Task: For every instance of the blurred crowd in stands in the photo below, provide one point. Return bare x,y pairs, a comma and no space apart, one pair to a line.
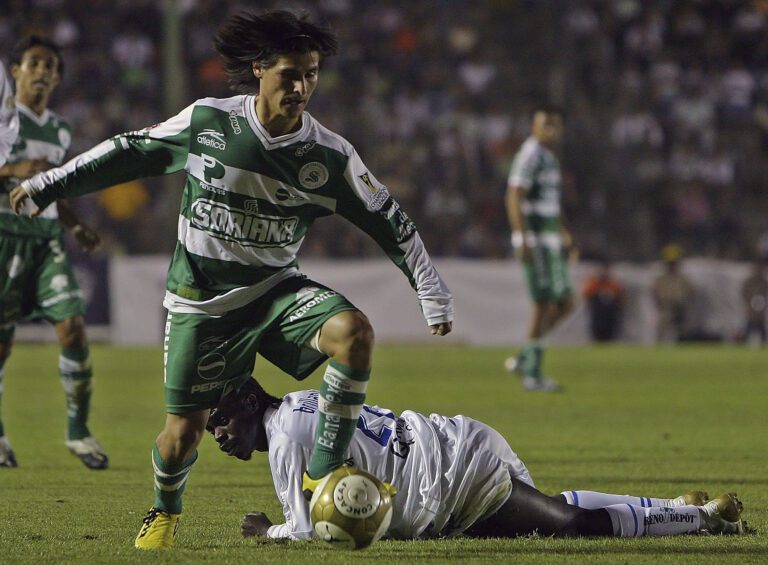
666,112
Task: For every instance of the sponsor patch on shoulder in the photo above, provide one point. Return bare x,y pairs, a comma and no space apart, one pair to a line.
376,196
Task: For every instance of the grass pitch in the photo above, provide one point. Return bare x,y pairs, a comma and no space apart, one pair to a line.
645,421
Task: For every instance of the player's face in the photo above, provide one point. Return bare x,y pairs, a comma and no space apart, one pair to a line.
285,87
237,425
37,74
548,128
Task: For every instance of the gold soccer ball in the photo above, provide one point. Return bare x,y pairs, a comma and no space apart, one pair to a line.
350,508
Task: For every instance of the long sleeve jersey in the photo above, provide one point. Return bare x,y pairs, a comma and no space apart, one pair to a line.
449,472
248,202
9,121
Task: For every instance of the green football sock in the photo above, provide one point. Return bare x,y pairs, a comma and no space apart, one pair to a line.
532,357
76,376
170,482
341,399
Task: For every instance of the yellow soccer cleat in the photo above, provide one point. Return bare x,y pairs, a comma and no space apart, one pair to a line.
158,531
722,515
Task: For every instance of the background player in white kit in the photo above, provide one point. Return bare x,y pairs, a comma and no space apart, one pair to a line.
453,476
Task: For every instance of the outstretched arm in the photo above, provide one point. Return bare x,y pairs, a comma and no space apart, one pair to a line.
287,461
368,205
156,150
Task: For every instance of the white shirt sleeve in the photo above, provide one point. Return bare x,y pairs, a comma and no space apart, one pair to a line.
9,118
523,167
287,461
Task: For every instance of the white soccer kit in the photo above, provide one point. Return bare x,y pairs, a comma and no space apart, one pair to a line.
449,472
9,120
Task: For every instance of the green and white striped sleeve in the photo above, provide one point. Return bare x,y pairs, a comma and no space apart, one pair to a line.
369,206
523,170
156,150
9,119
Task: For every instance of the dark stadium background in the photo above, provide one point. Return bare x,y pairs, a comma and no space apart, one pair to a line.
667,106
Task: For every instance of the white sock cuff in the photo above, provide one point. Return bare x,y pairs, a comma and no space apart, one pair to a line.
627,521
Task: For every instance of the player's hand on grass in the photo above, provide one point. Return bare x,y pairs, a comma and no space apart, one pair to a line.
86,238
25,169
255,524
441,329
18,197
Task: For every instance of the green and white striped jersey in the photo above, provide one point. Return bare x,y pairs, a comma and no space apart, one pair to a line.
40,137
537,170
9,119
248,202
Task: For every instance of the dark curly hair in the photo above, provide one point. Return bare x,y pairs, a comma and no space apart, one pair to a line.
245,38
27,43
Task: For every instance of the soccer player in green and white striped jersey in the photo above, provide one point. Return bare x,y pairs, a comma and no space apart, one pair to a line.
260,170
9,117
540,240
38,280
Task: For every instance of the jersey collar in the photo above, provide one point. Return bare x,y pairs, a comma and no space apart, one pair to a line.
268,141
29,113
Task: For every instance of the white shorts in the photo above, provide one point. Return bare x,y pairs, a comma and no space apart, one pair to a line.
477,466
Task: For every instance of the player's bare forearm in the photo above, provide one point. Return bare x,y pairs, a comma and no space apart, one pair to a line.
24,169
515,195
86,237
514,208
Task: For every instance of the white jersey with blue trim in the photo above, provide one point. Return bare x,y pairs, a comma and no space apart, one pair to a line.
449,472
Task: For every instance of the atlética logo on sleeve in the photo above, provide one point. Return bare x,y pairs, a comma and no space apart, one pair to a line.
313,175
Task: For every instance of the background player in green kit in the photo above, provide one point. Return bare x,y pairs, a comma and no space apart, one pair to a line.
260,170
37,279
540,240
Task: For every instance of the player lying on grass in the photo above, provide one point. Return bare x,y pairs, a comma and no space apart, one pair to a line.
452,475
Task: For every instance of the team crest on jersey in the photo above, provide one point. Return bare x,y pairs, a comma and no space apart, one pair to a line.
212,138
10,103
65,138
313,175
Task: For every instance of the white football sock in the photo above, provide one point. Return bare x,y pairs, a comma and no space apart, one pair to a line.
635,521
590,499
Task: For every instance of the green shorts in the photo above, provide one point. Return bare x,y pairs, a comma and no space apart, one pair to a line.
36,281
547,275
207,356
